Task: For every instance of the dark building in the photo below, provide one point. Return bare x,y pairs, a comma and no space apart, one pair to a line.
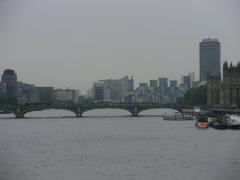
210,60
98,90
10,78
27,93
186,81
163,83
227,91
3,89
173,83
46,94
153,83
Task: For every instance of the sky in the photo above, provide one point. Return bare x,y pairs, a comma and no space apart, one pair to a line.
72,43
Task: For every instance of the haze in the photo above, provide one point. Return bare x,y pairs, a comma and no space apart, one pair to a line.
71,43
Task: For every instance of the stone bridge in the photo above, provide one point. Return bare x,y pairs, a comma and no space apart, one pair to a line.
79,109
133,108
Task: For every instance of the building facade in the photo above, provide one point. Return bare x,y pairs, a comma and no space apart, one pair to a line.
227,91
10,78
3,89
65,95
27,93
210,58
115,90
46,94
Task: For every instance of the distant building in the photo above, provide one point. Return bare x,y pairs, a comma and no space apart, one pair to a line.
27,93
10,78
115,90
65,95
163,83
186,81
210,58
153,83
192,79
143,84
3,89
46,94
213,92
226,92
173,83
230,88
98,90
118,90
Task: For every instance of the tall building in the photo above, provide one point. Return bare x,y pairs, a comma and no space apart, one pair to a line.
163,83
98,90
153,83
10,78
115,90
3,89
173,83
227,91
210,60
27,93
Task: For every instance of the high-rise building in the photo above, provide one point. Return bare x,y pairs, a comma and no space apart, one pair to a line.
115,90
10,78
173,83
3,89
153,83
27,93
210,60
98,90
163,83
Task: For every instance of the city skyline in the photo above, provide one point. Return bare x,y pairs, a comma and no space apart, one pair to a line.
74,44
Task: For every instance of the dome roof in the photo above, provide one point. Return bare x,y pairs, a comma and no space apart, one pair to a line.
9,72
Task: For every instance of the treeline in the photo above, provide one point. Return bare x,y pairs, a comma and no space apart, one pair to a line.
195,96
8,101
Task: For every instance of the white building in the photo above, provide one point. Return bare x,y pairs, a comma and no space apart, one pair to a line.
66,95
115,90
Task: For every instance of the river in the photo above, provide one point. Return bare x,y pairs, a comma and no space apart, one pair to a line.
111,145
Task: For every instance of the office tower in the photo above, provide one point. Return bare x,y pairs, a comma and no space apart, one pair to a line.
153,83
10,78
210,60
163,83
98,90
173,83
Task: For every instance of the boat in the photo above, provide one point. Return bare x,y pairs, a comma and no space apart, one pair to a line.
218,123
232,121
201,120
179,117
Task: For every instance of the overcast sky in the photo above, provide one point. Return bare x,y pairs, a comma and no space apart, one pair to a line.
71,43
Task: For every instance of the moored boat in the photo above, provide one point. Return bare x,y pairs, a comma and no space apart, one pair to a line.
232,121
201,121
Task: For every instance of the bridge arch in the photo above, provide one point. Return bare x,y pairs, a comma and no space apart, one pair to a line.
108,111
168,110
51,112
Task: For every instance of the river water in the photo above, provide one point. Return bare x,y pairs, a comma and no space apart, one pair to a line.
110,145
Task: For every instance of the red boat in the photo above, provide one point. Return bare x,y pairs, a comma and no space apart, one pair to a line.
201,121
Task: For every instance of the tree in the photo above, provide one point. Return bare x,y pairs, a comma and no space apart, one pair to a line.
196,96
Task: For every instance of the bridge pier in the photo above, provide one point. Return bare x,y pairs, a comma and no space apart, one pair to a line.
19,114
78,112
78,115
135,112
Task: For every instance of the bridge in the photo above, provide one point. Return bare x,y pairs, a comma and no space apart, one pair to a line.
133,108
78,109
